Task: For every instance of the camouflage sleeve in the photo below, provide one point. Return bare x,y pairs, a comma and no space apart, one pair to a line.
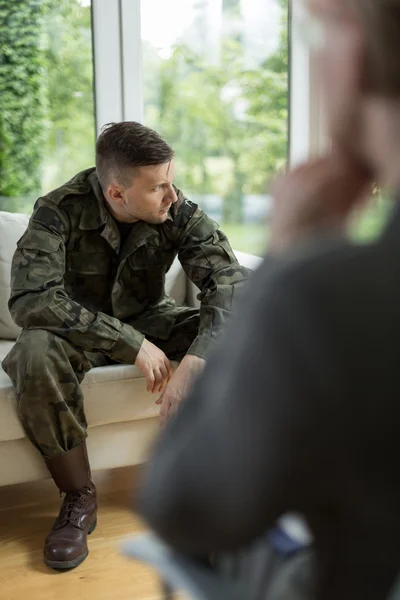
209,262
39,300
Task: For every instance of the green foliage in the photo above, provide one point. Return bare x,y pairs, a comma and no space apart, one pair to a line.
228,123
369,222
247,237
68,56
22,96
46,96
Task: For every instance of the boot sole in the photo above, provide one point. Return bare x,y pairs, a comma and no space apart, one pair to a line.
64,565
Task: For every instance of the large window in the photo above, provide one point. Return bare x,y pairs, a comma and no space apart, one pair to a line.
210,75
47,130
215,84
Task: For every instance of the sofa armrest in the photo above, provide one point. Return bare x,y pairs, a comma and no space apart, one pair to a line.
246,260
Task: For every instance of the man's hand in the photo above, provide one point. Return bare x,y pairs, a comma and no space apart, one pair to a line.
179,385
321,194
155,366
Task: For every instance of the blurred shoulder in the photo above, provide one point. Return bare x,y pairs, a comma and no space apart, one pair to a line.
323,271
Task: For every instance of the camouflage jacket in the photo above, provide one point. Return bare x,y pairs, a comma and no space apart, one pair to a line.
71,275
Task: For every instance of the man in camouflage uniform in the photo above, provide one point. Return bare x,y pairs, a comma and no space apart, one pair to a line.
88,290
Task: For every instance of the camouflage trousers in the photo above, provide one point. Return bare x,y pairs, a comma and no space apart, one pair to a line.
47,370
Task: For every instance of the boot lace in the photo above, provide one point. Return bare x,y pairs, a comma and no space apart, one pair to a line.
72,506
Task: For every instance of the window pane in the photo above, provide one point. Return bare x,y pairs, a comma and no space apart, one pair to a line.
47,128
216,87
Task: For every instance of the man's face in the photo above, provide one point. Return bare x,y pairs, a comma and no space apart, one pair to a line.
150,195
339,59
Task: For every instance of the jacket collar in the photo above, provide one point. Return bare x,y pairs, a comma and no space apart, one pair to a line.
139,235
95,215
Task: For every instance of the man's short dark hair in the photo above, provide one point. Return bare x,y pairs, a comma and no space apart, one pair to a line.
123,147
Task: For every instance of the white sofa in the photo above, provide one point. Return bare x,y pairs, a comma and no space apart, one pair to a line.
122,415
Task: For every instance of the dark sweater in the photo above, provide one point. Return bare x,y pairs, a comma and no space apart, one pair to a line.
298,410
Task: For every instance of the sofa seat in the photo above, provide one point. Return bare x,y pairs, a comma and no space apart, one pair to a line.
113,394
122,423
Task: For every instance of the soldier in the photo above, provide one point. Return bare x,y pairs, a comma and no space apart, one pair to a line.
88,290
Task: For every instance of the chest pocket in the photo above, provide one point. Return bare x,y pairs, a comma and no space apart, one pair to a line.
93,263
147,269
156,283
88,279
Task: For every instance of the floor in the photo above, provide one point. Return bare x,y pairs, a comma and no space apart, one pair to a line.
26,514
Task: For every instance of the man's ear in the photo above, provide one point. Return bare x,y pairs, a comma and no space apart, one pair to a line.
116,194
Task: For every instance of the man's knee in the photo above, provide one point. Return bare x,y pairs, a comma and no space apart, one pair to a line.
30,352
39,359
46,371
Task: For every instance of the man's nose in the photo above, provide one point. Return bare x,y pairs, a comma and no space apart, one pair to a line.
172,197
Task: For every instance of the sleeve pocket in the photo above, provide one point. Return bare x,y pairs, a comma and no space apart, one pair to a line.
36,261
40,241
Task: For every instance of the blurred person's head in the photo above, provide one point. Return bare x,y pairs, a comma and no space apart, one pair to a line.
359,67
135,168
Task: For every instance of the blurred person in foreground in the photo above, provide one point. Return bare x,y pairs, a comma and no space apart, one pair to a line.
88,289
299,409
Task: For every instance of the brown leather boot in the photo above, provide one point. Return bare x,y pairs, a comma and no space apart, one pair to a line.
66,544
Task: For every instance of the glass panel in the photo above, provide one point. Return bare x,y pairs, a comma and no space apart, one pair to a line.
216,87
47,130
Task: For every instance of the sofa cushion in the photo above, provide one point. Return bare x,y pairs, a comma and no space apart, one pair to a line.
12,227
114,394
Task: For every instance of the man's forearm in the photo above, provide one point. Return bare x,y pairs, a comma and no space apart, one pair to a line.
54,311
218,298
195,363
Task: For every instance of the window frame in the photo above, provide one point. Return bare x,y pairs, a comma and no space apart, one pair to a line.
306,125
117,57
